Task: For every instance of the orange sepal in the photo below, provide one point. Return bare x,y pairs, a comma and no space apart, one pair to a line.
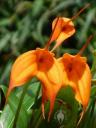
51,80
56,29
78,75
49,92
23,69
64,29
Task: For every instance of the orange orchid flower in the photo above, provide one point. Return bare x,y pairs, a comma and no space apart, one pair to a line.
77,74
62,31
42,64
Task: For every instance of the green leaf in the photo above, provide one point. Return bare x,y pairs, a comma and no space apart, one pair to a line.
8,114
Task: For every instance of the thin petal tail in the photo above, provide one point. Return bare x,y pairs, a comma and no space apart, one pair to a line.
52,101
43,109
9,90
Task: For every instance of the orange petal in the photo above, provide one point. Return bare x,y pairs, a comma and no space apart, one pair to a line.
78,76
57,28
55,73
51,80
84,90
23,69
50,91
64,29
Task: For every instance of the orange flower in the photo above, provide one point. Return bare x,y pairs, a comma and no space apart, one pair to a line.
63,30
77,74
42,64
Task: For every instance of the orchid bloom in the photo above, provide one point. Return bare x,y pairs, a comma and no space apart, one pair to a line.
42,64
77,74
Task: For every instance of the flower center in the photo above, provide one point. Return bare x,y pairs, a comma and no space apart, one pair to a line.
45,59
70,67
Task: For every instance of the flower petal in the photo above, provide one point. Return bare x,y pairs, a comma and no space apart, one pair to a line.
23,69
57,28
55,73
50,77
84,90
50,91
78,76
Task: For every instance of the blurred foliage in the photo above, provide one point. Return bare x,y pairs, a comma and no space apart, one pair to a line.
26,25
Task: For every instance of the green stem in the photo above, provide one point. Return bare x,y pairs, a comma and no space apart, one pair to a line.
19,106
